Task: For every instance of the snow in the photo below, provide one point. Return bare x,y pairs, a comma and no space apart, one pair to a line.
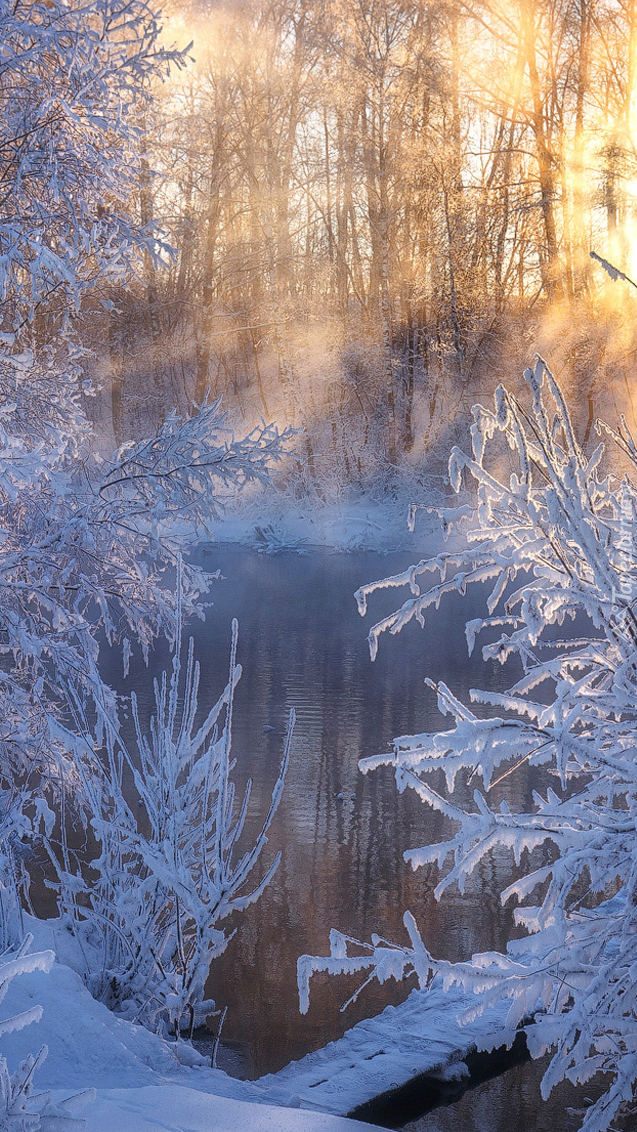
88,1045
272,522
420,1036
138,1084
173,1108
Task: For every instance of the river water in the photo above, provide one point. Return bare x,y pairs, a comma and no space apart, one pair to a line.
302,645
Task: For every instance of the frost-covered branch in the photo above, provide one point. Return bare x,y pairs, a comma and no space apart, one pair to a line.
554,536
84,545
173,867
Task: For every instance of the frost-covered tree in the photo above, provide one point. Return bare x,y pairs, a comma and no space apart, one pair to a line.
88,546
555,539
74,80
84,543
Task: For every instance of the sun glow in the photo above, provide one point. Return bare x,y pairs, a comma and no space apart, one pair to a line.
372,203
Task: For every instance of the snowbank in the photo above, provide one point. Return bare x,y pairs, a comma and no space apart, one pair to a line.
173,1108
140,1085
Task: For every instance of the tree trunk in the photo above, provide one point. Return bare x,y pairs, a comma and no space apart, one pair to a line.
550,264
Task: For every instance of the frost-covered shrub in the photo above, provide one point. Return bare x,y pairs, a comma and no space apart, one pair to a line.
555,538
84,549
172,868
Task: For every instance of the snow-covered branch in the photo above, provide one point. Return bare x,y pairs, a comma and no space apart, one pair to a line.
555,538
173,868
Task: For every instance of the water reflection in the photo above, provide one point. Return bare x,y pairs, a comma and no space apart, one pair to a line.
513,1101
302,645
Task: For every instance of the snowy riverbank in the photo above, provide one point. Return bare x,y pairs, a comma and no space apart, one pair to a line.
134,1081
274,520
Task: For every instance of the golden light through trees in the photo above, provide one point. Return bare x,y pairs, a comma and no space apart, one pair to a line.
373,202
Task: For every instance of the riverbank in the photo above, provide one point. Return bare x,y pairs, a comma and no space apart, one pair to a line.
121,1078
277,519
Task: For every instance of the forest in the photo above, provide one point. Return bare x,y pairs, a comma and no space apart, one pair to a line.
376,208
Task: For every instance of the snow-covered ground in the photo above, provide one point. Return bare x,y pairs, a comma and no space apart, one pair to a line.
178,1108
135,1082
132,1081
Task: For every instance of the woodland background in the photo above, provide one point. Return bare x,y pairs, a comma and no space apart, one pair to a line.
378,209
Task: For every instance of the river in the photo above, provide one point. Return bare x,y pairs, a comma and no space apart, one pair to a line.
302,645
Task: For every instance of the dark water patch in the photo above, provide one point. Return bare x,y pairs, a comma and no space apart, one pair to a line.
512,1100
395,1108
